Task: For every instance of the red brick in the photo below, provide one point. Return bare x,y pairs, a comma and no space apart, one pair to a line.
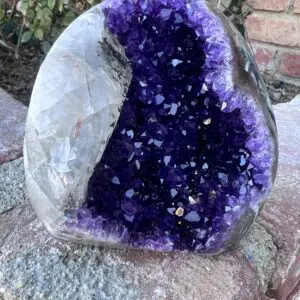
281,30
297,6
290,64
264,58
273,5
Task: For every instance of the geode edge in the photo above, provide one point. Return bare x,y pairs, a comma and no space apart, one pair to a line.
229,77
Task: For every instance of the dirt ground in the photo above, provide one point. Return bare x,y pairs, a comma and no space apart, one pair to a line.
17,76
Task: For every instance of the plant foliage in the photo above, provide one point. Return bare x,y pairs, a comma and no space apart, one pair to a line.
36,23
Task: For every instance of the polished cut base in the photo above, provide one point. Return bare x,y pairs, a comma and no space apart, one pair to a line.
155,132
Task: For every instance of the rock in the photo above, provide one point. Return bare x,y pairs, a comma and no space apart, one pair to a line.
12,127
261,252
12,183
280,91
181,157
281,214
34,265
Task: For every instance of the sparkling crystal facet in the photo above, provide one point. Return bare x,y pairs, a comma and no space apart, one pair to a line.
162,137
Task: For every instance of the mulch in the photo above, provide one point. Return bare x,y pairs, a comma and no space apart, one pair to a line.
17,76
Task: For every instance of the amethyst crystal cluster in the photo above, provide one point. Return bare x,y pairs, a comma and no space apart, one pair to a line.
192,152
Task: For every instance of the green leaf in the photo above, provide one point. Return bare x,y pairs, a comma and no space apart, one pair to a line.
41,3
26,36
39,34
1,9
68,18
35,25
24,7
47,13
30,15
60,5
31,3
55,33
46,20
51,4
46,23
39,14
91,1
46,47
44,15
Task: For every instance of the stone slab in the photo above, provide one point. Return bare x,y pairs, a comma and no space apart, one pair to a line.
12,182
33,265
281,214
12,127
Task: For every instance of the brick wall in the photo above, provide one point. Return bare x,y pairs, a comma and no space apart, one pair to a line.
274,31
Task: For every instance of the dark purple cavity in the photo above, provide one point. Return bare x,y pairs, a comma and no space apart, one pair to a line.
178,171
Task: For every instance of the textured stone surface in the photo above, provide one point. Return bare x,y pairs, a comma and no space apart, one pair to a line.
34,265
12,184
281,214
12,123
261,252
46,268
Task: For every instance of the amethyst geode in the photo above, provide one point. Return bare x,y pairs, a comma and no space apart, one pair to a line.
190,152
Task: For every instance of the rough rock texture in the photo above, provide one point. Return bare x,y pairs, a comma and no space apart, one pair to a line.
12,122
12,183
33,265
46,268
281,214
280,91
261,252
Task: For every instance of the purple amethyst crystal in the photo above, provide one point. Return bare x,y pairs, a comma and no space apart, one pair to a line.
193,153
